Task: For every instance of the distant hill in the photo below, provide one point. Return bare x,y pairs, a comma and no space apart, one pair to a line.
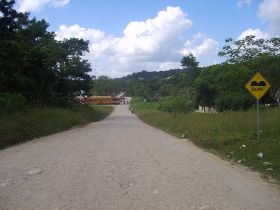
145,75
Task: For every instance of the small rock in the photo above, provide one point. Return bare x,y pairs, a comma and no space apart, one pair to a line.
183,135
269,169
243,145
273,198
260,155
239,161
267,164
155,191
125,193
5,183
35,171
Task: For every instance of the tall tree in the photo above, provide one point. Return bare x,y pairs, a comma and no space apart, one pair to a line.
103,85
10,23
248,48
261,55
36,65
189,62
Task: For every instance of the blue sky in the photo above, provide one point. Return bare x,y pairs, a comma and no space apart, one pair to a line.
130,36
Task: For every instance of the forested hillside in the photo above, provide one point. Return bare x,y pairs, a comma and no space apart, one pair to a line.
220,86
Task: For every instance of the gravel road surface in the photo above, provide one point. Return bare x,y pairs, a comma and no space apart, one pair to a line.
122,163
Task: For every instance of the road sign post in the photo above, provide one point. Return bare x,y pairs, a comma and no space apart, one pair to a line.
258,120
258,86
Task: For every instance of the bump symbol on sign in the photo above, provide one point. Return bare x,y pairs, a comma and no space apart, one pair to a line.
255,83
257,86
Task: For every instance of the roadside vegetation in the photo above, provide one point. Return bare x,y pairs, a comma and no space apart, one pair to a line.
231,134
169,103
39,79
37,122
219,86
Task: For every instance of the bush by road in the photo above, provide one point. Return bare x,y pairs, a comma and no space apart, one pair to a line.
37,122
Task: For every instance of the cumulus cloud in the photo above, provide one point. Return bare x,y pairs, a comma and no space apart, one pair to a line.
255,32
202,47
269,11
241,3
35,5
153,44
65,32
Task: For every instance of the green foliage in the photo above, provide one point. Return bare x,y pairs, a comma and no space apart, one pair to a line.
37,122
269,66
175,103
234,101
189,62
36,65
182,102
127,83
222,86
244,50
104,86
225,133
11,102
139,104
142,89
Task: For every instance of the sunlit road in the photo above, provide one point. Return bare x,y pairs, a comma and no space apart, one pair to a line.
122,163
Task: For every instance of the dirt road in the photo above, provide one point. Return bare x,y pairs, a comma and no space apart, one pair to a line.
122,163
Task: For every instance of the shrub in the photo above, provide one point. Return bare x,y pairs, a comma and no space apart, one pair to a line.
11,102
175,103
233,101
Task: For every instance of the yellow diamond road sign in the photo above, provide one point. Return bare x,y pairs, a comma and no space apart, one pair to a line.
258,86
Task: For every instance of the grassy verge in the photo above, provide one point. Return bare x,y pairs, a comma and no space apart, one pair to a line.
37,122
230,134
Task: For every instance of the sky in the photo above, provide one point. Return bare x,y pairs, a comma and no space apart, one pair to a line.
127,36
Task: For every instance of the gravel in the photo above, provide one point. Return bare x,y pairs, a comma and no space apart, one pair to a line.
122,163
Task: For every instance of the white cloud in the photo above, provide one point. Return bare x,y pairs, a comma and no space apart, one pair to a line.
242,3
35,5
154,44
255,32
65,32
269,11
203,48
169,65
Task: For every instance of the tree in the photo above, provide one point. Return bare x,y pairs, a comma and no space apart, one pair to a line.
73,70
190,64
10,23
244,50
261,55
36,65
222,86
103,85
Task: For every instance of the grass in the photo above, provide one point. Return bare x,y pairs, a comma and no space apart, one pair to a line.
230,134
37,122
